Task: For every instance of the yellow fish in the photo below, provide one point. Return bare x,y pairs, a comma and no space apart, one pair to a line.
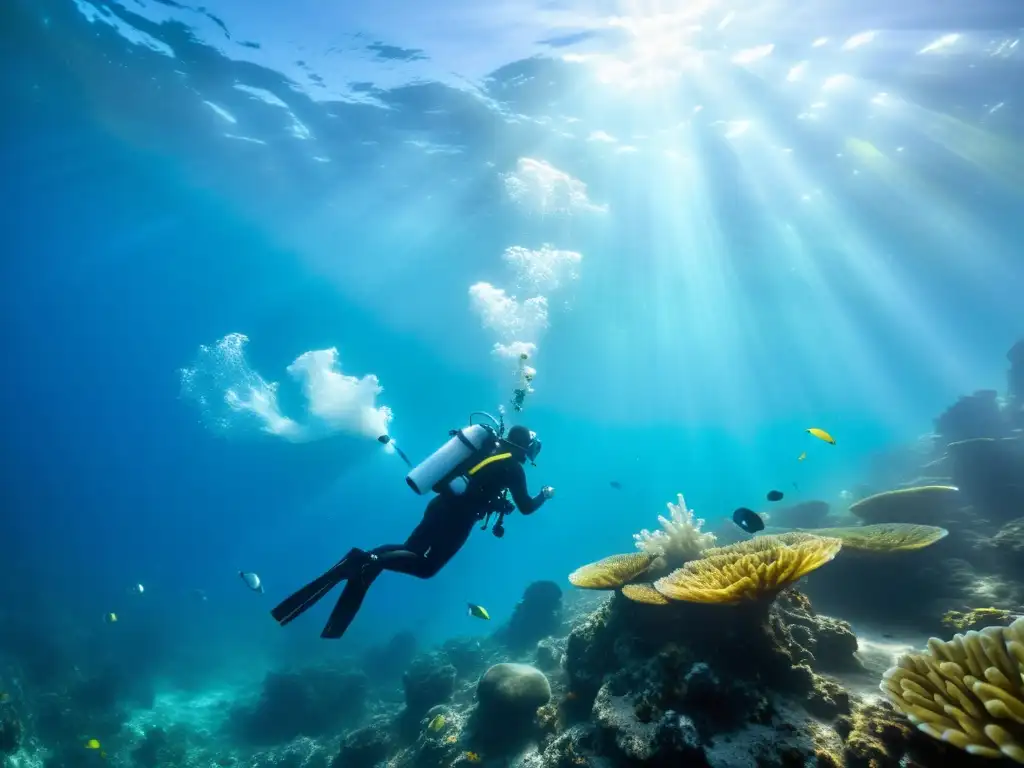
821,434
473,757
110,618
450,739
437,723
802,456
92,744
479,612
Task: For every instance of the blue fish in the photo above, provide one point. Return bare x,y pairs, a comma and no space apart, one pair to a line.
748,520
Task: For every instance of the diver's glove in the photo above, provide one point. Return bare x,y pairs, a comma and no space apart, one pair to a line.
547,491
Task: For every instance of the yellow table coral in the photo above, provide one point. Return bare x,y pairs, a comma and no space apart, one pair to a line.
611,572
968,691
750,570
908,505
886,537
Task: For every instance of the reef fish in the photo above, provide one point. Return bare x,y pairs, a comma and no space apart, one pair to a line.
110,618
472,757
802,456
774,496
616,485
437,723
252,581
92,744
479,612
821,434
748,520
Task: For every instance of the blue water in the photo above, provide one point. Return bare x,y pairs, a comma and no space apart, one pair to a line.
853,266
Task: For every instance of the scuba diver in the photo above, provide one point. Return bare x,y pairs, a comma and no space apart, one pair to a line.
472,474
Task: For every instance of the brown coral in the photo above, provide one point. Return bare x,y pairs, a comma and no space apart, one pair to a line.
968,691
751,570
908,505
612,572
644,593
886,537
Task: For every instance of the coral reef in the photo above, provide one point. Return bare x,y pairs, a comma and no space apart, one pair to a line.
680,538
968,691
750,570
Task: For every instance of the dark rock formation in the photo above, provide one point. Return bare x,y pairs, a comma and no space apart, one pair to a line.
365,747
310,702
537,615
971,416
467,655
990,475
388,662
429,681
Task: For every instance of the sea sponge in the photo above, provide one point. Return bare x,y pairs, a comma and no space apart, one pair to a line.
644,593
751,570
680,539
885,537
612,572
968,691
908,505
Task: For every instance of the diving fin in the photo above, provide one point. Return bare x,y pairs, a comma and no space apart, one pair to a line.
303,599
347,607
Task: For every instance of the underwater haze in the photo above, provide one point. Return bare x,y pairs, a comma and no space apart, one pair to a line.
242,241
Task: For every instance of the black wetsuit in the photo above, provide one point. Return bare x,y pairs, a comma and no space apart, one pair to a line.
447,522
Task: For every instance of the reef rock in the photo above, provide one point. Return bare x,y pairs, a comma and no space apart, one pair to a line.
365,747
669,740
429,681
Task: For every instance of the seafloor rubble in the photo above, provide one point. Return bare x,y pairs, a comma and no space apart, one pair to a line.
691,652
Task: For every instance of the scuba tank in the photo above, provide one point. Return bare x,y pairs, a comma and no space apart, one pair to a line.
444,470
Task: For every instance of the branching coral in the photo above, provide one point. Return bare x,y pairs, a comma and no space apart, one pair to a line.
751,570
968,691
680,538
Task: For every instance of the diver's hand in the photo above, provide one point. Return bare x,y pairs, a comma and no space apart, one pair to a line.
547,491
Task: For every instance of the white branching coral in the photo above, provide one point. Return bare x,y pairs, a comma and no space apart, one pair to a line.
680,538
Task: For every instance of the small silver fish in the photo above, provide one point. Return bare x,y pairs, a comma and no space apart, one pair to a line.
252,581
